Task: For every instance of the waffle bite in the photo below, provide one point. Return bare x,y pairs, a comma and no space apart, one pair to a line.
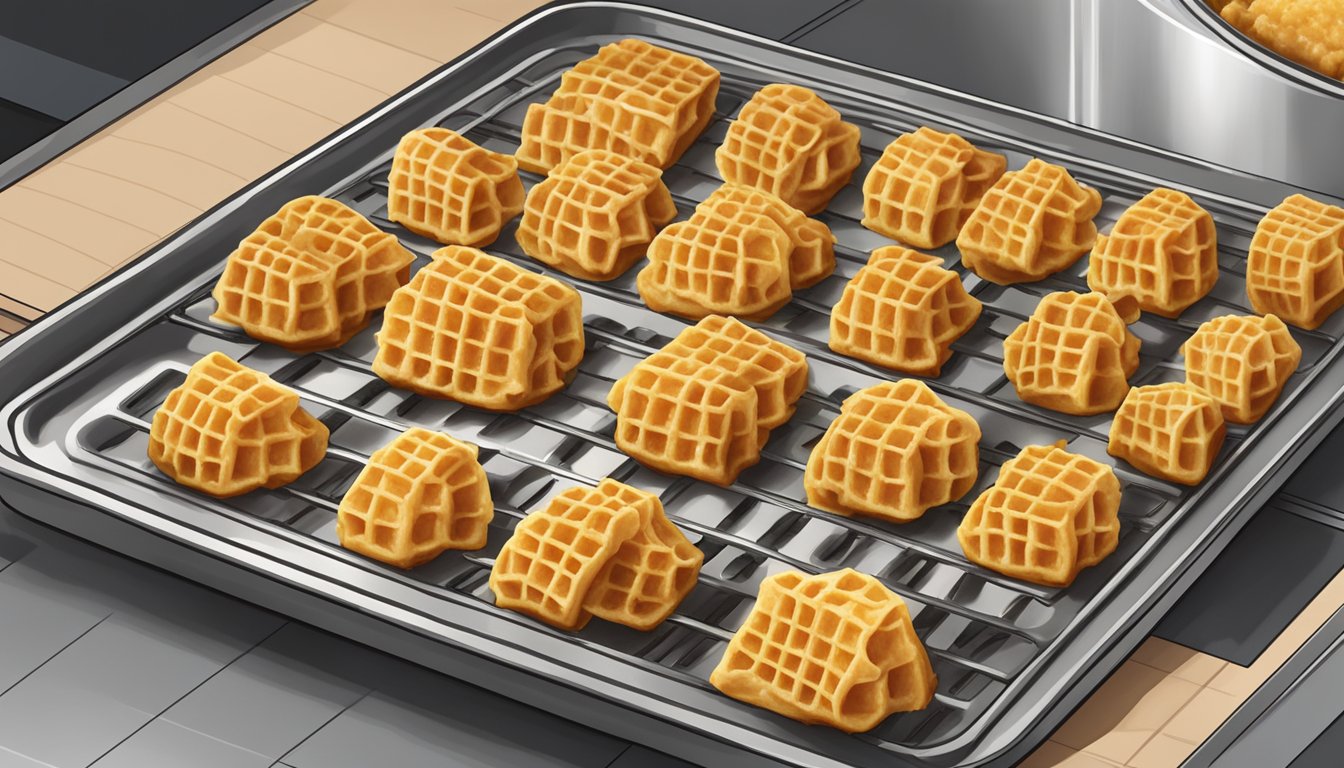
1173,431
419,495
894,451
607,551
925,185
594,214
902,311
1049,514
443,186
1295,267
311,276
704,405
1243,362
743,253
1162,253
632,98
1073,355
1030,224
789,142
837,649
476,329
653,571
228,430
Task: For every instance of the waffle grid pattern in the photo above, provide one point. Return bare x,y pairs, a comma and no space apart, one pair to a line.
418,496
632,98
1162,252
792,144
830,649
1243,362
1172,431
593,215
1030,224
902,311
1049,514
925,185
1295,267
310,276
1074,355
228,430
446,188
509,336
894,451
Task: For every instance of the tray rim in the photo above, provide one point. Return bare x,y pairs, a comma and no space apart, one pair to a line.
78,493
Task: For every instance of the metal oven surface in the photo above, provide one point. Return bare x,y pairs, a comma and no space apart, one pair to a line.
1012,658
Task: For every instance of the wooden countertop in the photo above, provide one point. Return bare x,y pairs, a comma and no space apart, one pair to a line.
120,192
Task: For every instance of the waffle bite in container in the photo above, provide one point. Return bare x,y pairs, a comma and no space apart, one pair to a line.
477,329
1032,223
228,430
593,216
632,98
836,649
311,276
925,185
789,142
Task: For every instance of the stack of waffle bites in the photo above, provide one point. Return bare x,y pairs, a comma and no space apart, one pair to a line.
445,187
704,405
311,276
608,551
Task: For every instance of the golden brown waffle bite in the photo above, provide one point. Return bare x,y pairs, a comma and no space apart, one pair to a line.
632,98
547,567
894,451
704,405
644,582
1243,362
1295,268
419,495
595,214
1162,253
743,253
608,551
902,311
445,187
310,276
925,185
228,430
1049,514
477,329
1030,224
1173,431
1073,355
837,649
789,142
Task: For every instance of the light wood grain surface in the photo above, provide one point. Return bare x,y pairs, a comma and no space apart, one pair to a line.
120,192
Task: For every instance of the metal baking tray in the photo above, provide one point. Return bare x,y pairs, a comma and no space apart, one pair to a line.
1012,658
